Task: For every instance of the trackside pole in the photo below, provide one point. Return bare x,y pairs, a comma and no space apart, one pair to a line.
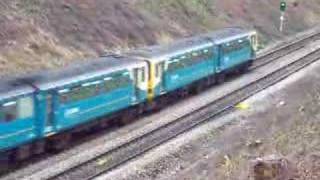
281,21
283,7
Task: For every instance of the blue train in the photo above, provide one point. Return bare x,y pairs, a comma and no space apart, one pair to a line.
43,110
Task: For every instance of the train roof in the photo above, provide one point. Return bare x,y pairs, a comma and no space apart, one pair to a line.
10,88
159,53
228,34
83,71
17,86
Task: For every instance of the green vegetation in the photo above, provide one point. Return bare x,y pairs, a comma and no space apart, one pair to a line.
197,11
38,34
30,7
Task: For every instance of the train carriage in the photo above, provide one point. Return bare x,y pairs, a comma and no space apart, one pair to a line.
92,90
46,104
177,65
199,61
236,48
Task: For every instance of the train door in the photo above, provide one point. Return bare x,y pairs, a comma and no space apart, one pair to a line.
49,112
254,42
214,58
159,74
135,79
140,81
219,63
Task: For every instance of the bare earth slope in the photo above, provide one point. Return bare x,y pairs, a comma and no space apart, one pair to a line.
40,34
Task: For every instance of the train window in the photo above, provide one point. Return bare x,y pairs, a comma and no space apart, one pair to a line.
204,55
123,81
237,46
25,108
8,111
244,43
143,74
117,81
110,84
225,49
211,53
91,84
87,91
189,60
207,53
63,93
81,92
2,116
173,64
49,109
231,47
67,95
158,69
200,56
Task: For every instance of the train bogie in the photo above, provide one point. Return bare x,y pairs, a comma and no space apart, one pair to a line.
92,95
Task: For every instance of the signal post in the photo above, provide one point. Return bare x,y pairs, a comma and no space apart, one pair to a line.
283,7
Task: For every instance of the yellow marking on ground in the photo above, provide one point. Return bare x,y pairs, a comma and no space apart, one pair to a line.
103,161
243,106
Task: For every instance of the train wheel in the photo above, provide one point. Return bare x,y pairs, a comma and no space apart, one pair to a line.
22,153
104,124
5,159
39,147
220,78
164,101
198,88
211,81
59,142
244,68
126,118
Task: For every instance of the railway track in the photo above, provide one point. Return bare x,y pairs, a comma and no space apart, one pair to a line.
283,50
130,150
